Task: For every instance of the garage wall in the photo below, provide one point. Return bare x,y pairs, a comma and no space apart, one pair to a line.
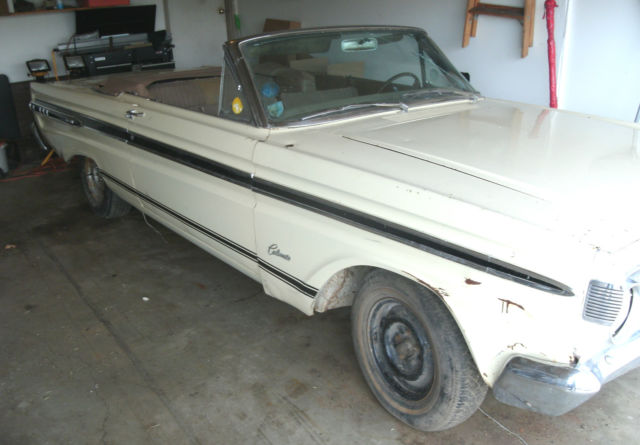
601,70
598,45
492,58
33,36
198,32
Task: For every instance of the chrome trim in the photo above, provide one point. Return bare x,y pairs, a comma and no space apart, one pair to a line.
39,138
556,390
234,61
232,48
603,302
410,237
304,31
117,65
55,113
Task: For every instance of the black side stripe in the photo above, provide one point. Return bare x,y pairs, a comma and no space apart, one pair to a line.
59,114
303,287
294,282
409,237
188,159
330,209
158,148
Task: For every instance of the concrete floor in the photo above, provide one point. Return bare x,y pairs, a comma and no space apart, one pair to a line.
208,359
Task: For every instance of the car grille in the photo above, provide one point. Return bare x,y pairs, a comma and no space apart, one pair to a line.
603,303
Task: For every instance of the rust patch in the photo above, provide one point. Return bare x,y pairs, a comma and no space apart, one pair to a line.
471,282
336,293
506,304
440,292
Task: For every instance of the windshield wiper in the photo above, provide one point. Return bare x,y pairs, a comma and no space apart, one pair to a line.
396,105
439,92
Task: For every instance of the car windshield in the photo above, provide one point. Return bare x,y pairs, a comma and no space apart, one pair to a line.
303,77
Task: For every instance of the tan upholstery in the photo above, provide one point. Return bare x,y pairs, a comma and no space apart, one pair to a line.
137,83
294,100
355,69
194,94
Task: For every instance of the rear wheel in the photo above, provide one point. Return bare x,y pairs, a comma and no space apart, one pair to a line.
413,355
102,200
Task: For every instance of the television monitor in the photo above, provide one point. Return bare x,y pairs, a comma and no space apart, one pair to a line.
114,21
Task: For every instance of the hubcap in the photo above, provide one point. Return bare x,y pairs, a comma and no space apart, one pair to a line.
94,181
401,349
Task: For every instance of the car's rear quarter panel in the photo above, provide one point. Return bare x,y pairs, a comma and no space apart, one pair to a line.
70,141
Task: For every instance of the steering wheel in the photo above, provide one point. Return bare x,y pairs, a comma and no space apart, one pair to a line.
389,81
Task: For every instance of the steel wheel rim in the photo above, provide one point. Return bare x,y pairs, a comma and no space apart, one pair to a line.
95,183
401,349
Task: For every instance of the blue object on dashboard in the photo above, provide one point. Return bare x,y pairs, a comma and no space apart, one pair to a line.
276,109
270,89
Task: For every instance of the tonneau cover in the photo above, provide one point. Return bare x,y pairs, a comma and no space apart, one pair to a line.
137,83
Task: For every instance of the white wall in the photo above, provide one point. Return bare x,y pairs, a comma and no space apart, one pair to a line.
198,32
492,58
597,44
33,36
598,51
601,67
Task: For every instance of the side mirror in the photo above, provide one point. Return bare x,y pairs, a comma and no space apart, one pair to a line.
466,76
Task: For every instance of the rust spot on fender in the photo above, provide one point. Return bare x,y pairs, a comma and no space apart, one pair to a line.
440,292
506,304
471,282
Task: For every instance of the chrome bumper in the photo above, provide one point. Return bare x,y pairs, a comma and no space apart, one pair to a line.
555,390
39,138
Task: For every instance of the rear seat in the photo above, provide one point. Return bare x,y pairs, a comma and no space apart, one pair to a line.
193,94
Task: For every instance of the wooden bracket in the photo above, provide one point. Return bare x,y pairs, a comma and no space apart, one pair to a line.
524,15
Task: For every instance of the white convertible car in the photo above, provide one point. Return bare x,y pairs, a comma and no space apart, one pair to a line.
481,243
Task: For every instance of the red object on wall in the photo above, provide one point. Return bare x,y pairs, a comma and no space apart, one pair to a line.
549,6
100,3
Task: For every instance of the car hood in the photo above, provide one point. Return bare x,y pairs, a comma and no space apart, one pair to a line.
560,170
550,155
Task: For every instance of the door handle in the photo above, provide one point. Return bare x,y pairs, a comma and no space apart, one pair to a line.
130,114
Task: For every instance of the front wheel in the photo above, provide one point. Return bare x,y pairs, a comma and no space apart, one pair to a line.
102,200
413,355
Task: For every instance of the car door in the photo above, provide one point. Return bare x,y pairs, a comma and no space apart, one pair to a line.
193,172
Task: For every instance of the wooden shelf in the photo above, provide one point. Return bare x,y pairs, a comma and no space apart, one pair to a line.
49,11
498,11
524,15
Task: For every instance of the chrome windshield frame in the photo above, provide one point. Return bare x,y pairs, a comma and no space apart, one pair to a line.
260,118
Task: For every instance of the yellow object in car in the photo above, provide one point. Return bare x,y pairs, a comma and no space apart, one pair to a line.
237,106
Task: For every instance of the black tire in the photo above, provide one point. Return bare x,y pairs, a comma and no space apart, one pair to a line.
101,199
413,355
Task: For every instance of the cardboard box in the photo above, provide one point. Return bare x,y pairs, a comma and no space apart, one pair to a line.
278,25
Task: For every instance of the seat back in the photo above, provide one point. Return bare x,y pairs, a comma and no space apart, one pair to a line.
9,129
192,94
